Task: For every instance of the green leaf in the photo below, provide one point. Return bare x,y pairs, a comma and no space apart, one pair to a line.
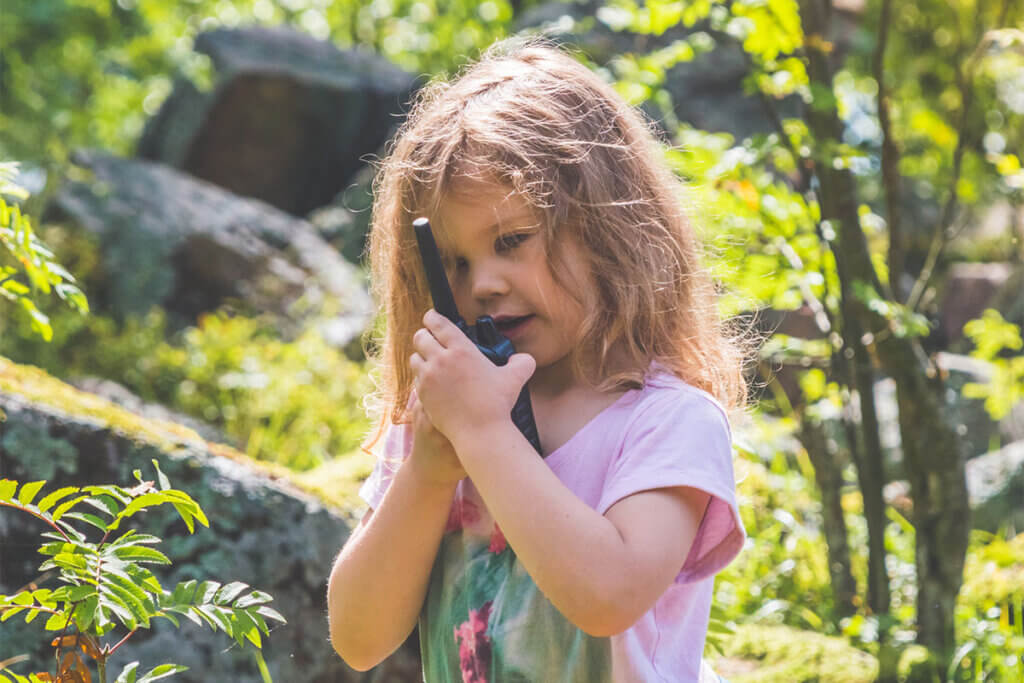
141,554
85,612
229,592
67,505
165,483
28,492
7,489
127,674
88,518
162,671
252,599
56,622
271,613
51,498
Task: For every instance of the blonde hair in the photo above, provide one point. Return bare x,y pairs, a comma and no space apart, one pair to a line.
548,128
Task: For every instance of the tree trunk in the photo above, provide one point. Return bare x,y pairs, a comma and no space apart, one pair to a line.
931,446
828,473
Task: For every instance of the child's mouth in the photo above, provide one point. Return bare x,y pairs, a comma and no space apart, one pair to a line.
512,326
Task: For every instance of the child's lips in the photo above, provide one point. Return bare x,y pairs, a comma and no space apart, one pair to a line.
512,326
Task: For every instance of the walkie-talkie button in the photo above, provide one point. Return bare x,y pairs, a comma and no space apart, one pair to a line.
486,331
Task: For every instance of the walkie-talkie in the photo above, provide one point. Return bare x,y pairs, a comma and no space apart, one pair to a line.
484,333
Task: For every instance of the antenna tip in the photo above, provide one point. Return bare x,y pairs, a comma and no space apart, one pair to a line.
421,221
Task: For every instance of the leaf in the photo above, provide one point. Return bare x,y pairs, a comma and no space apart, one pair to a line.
67,505
56,622
165,483
7,488
127,674
271,613
50,499
88,518
162,671
141,554
28,492
230,591
252,599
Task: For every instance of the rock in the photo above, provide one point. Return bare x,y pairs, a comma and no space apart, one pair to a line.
345,222
120,395
707,91
288,121
170,240
995,487
969,289
263,531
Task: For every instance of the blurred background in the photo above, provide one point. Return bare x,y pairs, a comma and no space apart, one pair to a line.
197,179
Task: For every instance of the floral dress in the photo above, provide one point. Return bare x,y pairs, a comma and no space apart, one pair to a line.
485,620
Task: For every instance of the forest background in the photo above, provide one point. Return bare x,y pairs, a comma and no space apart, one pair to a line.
856,172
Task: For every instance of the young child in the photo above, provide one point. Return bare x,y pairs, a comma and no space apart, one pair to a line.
594,561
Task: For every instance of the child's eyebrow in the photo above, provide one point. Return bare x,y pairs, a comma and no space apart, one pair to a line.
514,219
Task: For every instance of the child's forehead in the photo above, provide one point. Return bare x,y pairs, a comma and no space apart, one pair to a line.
481,208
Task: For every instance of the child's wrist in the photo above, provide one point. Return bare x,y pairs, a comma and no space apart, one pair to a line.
485,440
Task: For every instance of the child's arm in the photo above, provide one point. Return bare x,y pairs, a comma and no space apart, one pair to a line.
379,580
601,571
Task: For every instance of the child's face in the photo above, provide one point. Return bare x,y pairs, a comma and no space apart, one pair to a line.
494,253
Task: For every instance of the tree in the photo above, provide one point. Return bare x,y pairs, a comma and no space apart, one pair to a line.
844,209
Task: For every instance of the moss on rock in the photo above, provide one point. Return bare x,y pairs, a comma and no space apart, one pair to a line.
773,654
32,385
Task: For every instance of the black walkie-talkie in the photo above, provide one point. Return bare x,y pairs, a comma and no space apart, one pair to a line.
484,333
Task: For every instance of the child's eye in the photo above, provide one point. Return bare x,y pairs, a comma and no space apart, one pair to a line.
510,241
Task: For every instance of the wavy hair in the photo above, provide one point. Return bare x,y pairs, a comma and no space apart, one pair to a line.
530,118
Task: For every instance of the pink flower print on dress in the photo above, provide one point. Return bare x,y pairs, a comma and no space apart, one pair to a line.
498,542
474,645
463,513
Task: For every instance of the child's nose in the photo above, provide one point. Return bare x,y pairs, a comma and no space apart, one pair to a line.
488,282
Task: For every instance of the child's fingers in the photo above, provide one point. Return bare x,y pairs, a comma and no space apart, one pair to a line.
443,329
425,343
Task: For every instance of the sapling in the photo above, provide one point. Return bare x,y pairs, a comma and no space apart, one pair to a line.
106,593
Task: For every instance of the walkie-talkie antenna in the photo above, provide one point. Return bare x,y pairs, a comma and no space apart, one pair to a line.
440,291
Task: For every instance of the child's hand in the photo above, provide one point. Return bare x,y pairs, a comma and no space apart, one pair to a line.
460,389
432,457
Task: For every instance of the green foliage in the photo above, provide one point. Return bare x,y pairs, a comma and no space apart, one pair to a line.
994,338
784,567
991,635
27,268
297,403
86,73
782,653
105,584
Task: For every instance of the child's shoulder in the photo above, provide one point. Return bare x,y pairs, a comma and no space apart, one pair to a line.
666,394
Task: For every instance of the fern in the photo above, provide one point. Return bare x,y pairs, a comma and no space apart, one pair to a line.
106,584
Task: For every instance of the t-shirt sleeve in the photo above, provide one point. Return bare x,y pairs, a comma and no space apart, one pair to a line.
683,439
394,449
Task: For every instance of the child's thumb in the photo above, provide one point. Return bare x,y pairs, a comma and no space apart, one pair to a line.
523,364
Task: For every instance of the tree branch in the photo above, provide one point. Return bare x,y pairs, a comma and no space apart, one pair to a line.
891,179
965,81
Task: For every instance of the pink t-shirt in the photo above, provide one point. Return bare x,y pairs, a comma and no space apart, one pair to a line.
485,620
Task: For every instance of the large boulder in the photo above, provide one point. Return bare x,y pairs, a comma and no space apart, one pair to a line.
263,531
288,121
186,245
995,485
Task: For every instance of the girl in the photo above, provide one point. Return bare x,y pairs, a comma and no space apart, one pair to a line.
594,562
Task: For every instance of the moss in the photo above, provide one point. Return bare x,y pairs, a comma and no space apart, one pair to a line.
36,386
777,654
338,480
